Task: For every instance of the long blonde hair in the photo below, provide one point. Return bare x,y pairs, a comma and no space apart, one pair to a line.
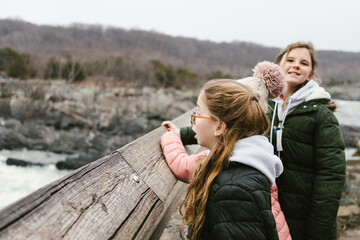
237,106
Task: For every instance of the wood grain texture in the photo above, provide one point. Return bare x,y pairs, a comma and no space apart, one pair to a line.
129,194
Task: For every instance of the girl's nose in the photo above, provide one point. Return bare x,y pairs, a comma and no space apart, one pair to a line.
295,65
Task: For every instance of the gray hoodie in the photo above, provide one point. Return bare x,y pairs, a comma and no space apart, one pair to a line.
257,152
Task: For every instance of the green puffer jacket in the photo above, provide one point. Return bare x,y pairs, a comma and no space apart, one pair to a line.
314,169
239,206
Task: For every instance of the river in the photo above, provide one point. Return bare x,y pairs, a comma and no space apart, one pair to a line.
17,182
348,112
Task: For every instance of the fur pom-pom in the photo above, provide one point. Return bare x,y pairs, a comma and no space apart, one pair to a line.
273,77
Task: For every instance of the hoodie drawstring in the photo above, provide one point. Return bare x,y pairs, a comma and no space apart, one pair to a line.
272,120
278,131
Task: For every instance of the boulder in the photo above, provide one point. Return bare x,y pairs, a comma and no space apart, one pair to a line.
37,135
77,162
10,140
21,163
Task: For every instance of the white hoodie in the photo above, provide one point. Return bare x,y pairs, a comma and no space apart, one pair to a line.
257,152
310,91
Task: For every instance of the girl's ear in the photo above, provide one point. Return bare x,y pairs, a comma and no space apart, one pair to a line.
310,76
220,129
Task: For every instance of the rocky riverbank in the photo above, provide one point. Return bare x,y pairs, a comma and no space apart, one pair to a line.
83,120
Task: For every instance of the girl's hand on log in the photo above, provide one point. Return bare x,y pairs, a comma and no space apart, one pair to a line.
171,127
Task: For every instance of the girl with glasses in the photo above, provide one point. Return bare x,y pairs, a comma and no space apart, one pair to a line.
250,150
229,194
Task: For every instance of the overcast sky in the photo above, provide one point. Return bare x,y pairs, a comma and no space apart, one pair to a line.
329,24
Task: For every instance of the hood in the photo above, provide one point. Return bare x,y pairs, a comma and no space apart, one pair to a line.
257,152
310,91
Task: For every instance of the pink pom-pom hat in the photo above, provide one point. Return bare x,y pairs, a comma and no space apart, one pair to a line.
273,77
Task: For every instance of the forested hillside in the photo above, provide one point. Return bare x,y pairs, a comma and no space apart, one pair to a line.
146,57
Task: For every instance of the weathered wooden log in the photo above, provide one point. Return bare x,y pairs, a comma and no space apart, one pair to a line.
129,194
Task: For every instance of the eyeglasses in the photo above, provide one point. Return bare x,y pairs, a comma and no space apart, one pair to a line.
195,115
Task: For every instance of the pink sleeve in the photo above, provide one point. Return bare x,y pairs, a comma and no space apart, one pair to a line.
181,164
281,225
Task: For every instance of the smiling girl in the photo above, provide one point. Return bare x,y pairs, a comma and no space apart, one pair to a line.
307,138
